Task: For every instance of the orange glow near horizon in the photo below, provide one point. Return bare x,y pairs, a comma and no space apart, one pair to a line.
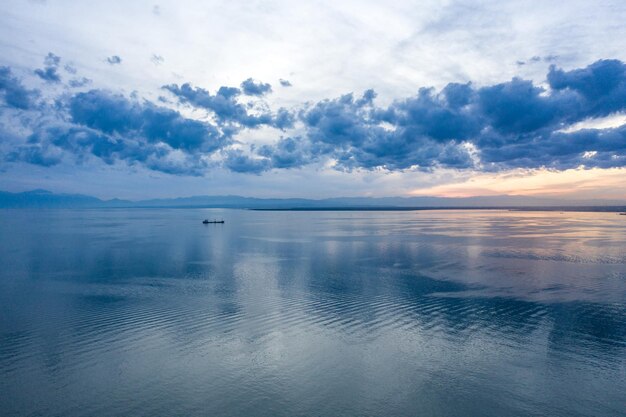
572,183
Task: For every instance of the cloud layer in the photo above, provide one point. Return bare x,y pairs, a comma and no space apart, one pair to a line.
516,124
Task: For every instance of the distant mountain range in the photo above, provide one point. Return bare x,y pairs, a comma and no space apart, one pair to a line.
47,199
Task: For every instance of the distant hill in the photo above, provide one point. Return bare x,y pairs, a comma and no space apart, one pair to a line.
47,199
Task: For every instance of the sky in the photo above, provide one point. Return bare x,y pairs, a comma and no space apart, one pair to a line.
314,98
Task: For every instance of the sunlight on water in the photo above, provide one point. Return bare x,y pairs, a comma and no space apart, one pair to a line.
446,313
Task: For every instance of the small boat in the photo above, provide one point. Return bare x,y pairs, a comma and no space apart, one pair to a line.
623,214
207,221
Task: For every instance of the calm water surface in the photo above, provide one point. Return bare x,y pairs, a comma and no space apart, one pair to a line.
431,313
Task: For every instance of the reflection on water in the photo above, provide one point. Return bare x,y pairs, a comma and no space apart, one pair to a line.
447,313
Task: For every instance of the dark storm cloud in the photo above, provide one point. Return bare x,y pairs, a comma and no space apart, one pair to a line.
514,124
13,93
253,88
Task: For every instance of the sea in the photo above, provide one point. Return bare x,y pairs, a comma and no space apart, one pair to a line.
149,312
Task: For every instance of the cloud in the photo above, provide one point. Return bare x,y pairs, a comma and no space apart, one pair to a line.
253,88
13,92
601,148
114,114
52,60
48,74
70,68
157,59
223,104
284,83
601,86
111,127
227,109
81,143
509,125
36,155
237,161
287,153
419,132
114,60
536,59
50,71
515,107
283,119
79,82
